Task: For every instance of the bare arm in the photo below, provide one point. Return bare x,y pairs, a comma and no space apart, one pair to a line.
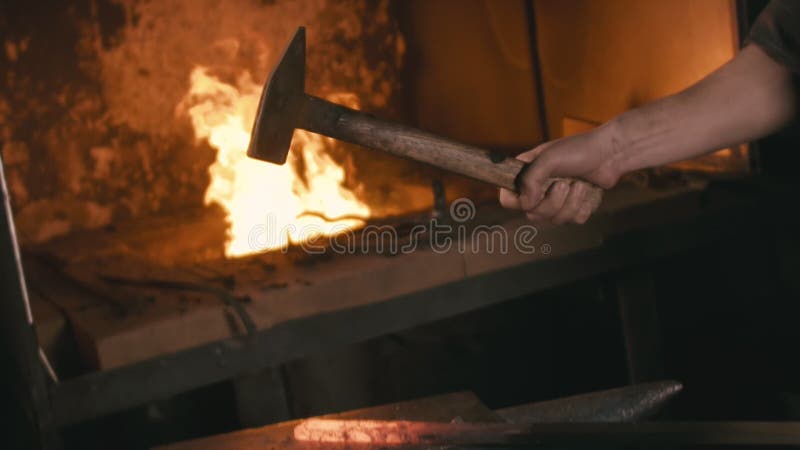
749,97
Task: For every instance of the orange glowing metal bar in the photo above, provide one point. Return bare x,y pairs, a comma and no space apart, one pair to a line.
393,432
409,433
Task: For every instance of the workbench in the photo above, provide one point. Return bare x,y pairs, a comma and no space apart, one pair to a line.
126,308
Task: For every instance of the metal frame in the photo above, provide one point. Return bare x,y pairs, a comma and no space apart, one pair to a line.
19,336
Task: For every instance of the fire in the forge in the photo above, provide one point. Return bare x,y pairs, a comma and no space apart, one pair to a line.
268,206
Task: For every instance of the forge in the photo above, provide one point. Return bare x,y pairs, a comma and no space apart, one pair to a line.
155,257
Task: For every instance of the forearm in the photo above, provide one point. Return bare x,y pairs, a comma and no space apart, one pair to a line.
747,98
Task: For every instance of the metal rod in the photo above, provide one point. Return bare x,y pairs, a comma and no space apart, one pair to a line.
403,433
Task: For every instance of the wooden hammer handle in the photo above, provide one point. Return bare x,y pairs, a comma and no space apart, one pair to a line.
321,116
400,140
330,119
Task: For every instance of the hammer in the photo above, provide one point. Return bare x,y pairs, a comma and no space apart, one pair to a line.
284,106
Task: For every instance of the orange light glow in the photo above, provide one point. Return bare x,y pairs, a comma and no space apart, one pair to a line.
265,203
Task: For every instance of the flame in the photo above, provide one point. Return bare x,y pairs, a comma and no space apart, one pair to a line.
265,203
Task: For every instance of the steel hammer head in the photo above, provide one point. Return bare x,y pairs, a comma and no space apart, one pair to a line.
280,106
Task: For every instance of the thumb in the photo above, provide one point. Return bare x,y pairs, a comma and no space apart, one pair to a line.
534,181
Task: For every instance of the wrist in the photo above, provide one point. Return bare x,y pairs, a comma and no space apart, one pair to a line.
615,152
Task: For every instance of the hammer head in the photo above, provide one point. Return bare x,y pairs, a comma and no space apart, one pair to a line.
280,106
